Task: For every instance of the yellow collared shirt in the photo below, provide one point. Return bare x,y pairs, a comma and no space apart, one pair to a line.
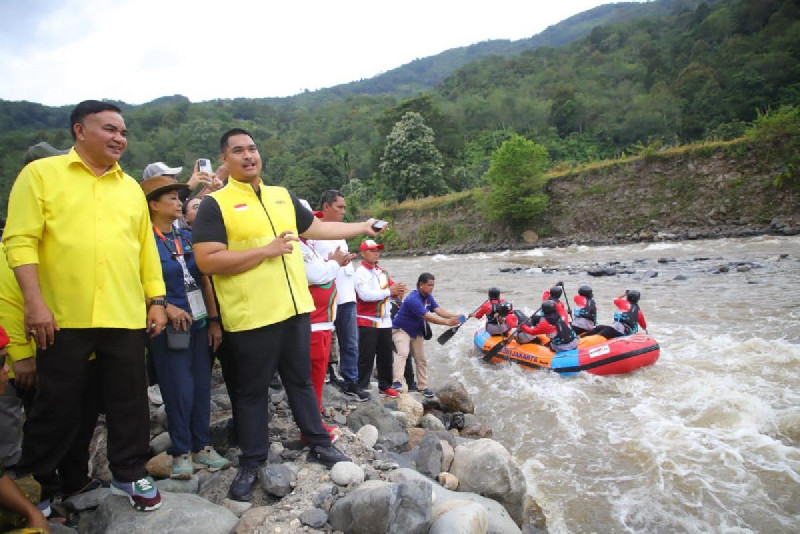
91,238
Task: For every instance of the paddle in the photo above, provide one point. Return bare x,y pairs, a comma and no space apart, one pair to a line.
449,333
566,299
491,353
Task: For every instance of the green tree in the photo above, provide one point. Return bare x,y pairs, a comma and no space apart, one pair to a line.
516,178
411,165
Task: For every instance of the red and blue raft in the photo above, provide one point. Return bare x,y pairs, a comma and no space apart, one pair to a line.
595,354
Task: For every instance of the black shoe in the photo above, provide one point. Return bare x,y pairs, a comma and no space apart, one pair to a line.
412,386
327,455
242,486
352,391
334,376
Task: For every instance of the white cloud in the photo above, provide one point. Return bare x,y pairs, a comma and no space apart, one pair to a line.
136,51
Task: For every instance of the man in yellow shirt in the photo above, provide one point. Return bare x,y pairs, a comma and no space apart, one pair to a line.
79,240
246,236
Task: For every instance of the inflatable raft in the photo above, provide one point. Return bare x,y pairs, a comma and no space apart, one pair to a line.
595,354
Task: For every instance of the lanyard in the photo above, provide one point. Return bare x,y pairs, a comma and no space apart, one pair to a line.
178,248
188,279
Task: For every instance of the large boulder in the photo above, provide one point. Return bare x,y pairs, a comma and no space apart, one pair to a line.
412,409
179,513
372,413
471,518
499,520
485,467
377,506
453,397
429,456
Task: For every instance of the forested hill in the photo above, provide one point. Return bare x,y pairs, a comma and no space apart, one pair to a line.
701,72
425,73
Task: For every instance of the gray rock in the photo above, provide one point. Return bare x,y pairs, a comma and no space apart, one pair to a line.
448,453
223,402
314,518
372,413
368,435
222,436
160,443
471,518
375,506
429,457
88,500
485,467
394,440
277,479
237,507
602,271
470,419
345,473
431,422
453,397
499,520
180,513
324,497
179,486
161,416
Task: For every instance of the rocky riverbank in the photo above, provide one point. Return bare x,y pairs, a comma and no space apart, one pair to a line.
731,190
418,466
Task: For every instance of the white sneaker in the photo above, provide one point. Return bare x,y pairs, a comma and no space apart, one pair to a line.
154,394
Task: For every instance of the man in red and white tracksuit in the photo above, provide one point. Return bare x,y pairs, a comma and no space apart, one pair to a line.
321,274
374,288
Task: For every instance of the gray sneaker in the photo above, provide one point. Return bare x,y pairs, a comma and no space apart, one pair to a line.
352,391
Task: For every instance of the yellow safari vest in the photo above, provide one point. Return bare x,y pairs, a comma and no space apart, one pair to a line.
277,288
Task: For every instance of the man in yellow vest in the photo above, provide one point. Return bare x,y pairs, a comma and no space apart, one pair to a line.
246,237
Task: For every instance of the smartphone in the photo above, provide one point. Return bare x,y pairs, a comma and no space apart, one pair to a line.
379,225
204,165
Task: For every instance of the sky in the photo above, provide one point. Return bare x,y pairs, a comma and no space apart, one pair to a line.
59,52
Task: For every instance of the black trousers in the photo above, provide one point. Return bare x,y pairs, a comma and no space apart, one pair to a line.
66,403
375,348
254,355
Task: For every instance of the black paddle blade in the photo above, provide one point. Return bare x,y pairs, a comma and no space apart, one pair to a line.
491,353
448,335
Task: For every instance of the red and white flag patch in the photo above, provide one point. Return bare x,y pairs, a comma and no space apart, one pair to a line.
240,207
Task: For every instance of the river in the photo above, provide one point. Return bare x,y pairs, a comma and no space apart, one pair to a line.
706,440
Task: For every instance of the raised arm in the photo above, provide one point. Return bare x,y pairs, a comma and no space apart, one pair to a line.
339,230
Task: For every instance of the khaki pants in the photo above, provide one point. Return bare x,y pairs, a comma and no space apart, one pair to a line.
404,344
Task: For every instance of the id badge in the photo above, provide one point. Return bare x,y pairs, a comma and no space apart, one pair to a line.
197,304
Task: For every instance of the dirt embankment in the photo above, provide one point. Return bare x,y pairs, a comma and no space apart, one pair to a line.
705,192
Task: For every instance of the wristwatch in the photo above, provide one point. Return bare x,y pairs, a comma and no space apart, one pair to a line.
213,319
159,302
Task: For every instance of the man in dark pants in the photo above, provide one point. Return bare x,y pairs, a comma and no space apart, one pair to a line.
374,289
85,259
244,236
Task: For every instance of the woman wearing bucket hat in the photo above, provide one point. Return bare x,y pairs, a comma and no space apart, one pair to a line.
181,353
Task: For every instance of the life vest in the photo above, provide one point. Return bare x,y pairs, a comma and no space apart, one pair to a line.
564,334
629,319
495,306
275,289
587,308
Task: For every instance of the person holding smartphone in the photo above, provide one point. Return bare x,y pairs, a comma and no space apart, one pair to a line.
181,353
